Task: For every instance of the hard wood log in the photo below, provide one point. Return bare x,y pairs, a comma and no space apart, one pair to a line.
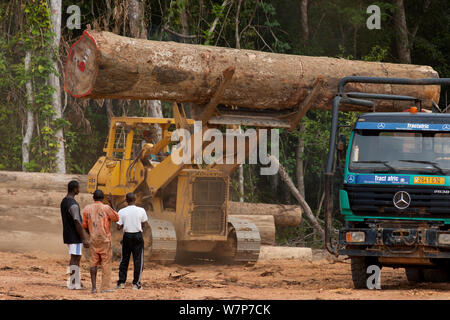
106,65
40,181
265,225
285,253
284,215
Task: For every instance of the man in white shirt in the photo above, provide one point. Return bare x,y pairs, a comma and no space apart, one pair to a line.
132,220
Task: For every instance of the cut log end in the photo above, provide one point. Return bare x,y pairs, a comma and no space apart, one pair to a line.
81,67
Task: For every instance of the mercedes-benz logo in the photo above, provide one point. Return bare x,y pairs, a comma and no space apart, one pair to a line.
446,127
401,200
381,125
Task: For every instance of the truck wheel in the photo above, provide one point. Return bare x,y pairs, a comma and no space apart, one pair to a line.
359,267
414,275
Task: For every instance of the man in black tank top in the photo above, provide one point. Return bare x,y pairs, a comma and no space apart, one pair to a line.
73,234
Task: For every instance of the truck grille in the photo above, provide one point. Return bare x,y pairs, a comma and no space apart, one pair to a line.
426,202
208,216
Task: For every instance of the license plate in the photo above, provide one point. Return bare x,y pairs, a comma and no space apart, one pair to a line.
429,180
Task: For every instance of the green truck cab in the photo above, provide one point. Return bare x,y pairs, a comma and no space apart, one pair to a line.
395,195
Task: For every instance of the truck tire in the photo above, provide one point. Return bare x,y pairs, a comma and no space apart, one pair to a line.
359,267
414,275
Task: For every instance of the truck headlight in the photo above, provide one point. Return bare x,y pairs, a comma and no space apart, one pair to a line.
444,238
355,236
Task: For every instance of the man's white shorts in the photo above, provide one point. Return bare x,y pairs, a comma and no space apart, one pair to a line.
75,248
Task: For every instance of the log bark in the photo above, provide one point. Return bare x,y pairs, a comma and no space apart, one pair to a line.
265,225
105,65
285,253
285,177
284,215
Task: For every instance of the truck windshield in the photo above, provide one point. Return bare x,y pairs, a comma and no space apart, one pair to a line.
400,152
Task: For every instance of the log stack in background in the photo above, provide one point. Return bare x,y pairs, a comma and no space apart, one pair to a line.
29,202
105,65
30,217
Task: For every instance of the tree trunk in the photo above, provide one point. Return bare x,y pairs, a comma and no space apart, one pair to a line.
401,29
29,125
241,183
186,39
284,215
304,20
238,46
136,18
125,68
184,21
285,177
236,25
265,225
60,160
136,13
299,157
109,110
154,110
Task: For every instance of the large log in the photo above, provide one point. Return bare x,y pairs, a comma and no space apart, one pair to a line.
284,215
105,65
284,253
265,225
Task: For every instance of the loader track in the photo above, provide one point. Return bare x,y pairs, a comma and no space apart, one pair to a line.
163,241
248,240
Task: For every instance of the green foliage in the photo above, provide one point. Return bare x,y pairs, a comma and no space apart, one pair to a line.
377,53
34,36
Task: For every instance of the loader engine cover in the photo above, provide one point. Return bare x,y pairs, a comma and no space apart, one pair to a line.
202,196
208,216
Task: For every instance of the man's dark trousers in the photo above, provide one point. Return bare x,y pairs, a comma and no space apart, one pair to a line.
132,243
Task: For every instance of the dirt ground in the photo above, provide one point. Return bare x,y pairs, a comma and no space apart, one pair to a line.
34,261
38,275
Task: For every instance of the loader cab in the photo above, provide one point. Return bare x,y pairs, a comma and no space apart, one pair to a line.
119,171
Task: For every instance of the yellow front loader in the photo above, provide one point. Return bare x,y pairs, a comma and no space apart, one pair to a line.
186,203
